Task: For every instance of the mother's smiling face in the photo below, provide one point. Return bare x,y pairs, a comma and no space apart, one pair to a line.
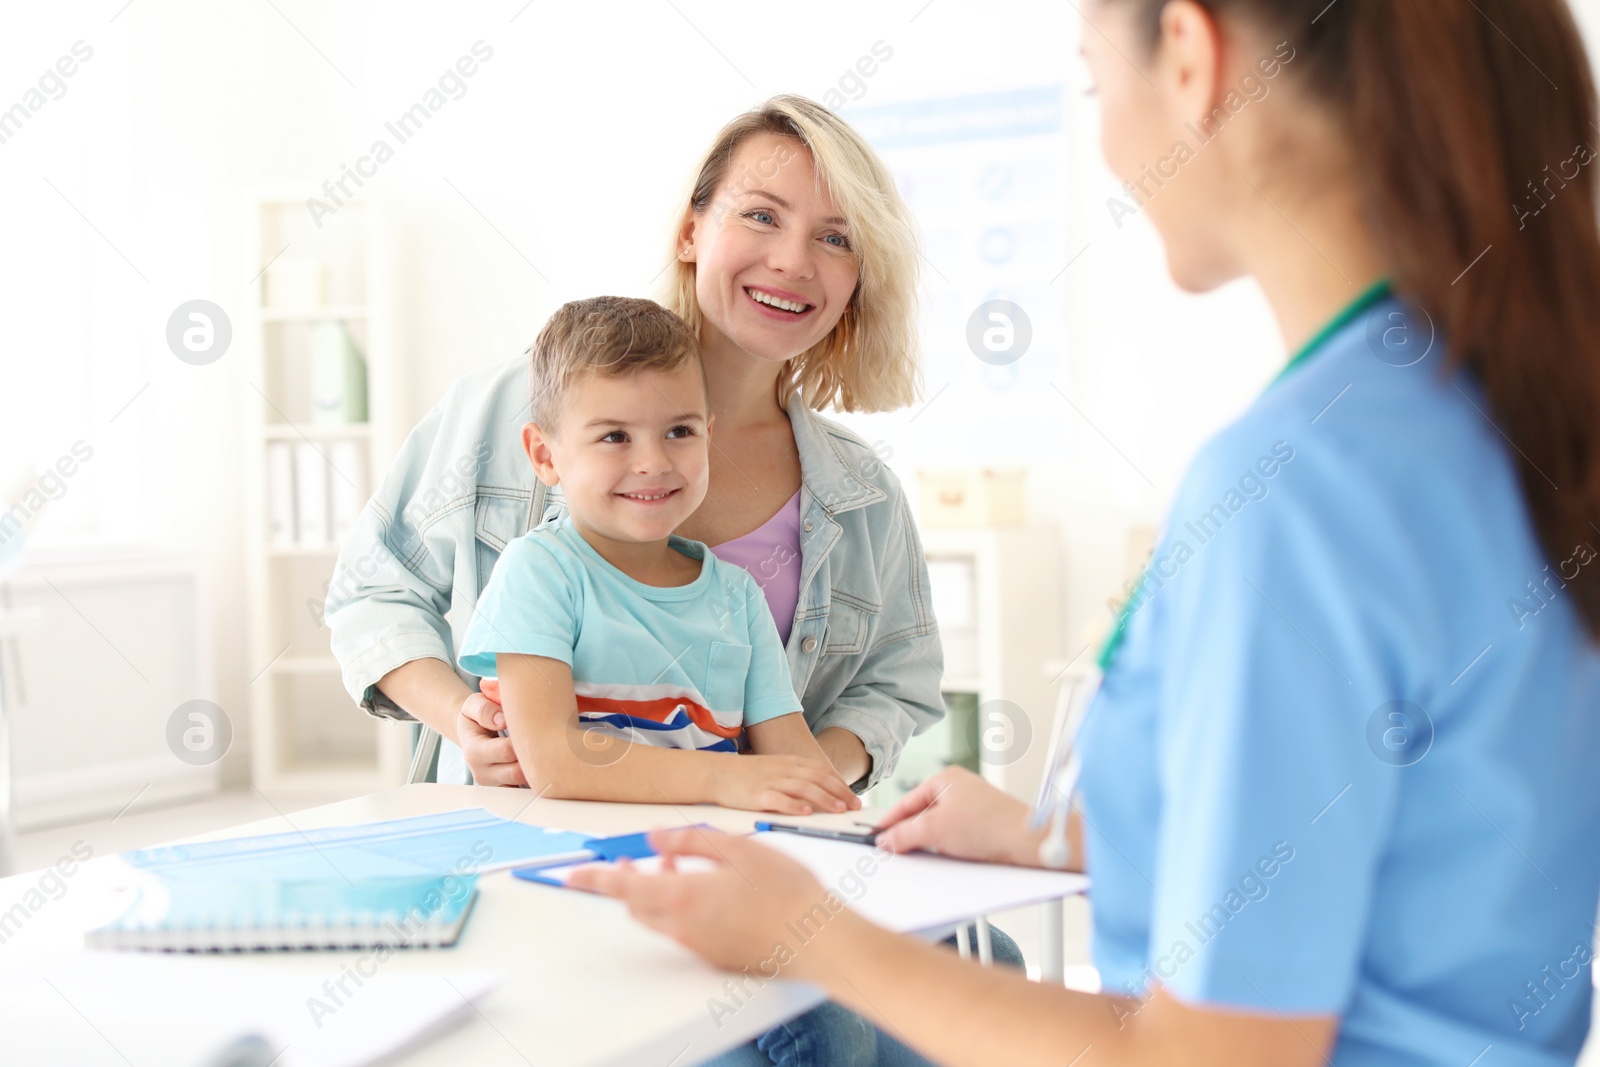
774,265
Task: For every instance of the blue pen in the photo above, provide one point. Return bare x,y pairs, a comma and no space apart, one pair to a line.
817,831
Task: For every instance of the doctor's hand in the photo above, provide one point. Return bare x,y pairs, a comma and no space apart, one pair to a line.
741,913
956,813
478,724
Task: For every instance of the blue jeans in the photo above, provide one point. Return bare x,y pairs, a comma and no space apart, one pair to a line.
831,1036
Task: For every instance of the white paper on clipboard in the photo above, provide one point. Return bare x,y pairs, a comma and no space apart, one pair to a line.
905,893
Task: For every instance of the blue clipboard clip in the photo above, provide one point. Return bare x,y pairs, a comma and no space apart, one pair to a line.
624,846
601,849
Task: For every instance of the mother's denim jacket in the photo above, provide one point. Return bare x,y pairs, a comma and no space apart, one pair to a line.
864,650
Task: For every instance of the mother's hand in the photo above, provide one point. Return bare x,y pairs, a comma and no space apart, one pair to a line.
956,813
735,915
489,756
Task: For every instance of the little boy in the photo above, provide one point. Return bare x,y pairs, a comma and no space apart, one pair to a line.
615,642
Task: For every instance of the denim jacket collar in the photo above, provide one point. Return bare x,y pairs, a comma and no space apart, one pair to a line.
832,479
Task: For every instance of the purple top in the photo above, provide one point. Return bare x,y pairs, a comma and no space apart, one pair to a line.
771,553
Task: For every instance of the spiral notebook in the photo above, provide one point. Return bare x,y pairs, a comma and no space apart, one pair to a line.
264,914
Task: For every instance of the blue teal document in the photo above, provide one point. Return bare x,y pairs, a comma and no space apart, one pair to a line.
469,841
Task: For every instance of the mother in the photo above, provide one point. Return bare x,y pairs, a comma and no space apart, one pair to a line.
789,210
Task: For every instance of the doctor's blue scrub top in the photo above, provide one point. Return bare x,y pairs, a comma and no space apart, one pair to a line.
1346,759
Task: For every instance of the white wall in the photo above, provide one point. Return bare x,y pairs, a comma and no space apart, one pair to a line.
556,175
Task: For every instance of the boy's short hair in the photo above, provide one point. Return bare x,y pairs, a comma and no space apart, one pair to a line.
608,335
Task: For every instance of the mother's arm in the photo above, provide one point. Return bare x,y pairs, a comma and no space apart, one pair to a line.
896,688
410,558
847,753
431,691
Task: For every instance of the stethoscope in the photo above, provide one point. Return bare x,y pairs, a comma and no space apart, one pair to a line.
1065,766
1062,772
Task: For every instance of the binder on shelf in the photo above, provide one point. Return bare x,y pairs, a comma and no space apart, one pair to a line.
280,495
347,487
338,375
310,496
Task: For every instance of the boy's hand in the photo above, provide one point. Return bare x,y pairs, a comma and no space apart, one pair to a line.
489,756
788,735
791,785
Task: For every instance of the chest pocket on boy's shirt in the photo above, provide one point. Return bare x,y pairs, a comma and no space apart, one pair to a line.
726,672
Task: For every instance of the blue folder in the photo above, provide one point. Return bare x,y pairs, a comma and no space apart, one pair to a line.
452,842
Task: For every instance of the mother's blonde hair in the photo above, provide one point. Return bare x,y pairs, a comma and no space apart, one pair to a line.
869,362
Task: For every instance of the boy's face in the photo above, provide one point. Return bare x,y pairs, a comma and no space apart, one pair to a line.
630,452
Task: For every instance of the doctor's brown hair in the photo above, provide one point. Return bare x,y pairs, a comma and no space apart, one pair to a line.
1475,124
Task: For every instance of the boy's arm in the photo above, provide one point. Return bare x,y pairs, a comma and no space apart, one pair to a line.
787,735
562,760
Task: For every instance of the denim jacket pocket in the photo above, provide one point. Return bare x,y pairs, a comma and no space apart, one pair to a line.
849,623
726,672
500,519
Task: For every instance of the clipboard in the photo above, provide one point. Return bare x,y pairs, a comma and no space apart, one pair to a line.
906,893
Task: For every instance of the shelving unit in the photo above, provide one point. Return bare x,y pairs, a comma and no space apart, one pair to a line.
305,733
997,634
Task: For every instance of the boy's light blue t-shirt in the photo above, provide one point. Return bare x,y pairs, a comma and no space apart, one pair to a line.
1345,762
680,667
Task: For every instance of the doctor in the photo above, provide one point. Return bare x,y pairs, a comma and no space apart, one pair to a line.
1341,789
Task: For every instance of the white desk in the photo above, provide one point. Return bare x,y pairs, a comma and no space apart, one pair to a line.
585,983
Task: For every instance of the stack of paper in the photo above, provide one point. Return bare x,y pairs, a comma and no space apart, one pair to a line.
115,1010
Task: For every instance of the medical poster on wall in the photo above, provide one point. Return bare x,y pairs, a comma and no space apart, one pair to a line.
985,176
